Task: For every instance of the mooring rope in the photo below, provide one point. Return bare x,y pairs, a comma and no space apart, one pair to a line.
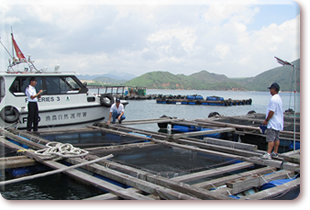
61,150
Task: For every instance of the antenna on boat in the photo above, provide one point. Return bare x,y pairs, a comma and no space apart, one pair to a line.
286,63
20,56
12,43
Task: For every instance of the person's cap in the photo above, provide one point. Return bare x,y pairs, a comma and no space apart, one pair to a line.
275,86
117,100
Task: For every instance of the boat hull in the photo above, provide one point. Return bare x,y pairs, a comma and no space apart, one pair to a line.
64,117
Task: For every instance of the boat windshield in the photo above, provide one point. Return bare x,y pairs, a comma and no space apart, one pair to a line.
59,85
50,84
20,84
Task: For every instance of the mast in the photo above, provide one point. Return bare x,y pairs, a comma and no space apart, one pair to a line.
282,62
12,45
20,56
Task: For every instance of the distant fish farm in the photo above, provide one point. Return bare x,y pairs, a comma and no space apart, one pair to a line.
199,100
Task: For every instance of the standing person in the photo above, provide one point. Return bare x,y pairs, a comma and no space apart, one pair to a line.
33,110
274,122
117,111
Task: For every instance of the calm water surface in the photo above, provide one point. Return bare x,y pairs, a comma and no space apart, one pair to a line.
144,109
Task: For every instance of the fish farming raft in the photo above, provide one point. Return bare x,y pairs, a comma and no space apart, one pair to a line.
135,164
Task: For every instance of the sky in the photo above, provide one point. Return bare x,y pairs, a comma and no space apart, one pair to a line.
232,37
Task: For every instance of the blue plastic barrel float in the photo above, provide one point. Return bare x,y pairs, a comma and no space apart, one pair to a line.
186,128
214,98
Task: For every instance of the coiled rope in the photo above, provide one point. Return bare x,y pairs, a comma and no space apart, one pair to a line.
61,150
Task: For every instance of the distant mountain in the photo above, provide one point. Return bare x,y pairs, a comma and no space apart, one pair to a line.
108,80
112,75
283,75
87,77
198,81
205,80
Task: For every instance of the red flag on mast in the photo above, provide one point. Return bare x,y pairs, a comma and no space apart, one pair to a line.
19,53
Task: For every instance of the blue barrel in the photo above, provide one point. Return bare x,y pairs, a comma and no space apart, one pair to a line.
213,135
18,172
297,145
274,183
190,97
214,98
184,128
198,97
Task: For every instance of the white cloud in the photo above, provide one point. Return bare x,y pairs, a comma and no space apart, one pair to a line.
221,50
11,20
139,38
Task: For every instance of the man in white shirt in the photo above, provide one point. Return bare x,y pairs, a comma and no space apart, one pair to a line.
274,122
117,111
33,110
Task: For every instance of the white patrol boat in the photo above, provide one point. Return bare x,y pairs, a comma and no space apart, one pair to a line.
65,100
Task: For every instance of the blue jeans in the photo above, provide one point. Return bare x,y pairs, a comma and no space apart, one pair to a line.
115,115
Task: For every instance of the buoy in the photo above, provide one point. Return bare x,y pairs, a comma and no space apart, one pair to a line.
213,114
105,102
163,125
10,114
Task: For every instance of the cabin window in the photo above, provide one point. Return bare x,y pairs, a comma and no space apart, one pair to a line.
61,85
2,88
20,84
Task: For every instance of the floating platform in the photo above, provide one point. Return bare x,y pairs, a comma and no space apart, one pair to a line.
199,100
135,164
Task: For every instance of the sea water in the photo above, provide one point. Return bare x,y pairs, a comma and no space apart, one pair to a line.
146,109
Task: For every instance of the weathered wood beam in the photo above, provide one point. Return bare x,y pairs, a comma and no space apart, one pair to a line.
107,196
9,144
242,184
201,133
273,191
52,172
212,172
83,177
121,147
256,160
21,140
200,144
220,181
232,144
119,133
150,121
239,126
165,182
111,196
16,162
145,186
29,136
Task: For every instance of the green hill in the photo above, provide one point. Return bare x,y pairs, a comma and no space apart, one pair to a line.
198,81
283,75
205,80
